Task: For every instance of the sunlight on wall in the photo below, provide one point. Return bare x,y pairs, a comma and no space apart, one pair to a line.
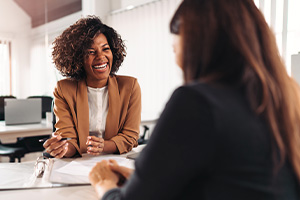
285,23
4,68
150,57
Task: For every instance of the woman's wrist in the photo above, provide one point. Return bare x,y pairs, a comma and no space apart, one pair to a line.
109,147
103,186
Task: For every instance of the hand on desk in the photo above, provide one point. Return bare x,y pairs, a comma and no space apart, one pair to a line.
124,172
107,175
55,147
95,145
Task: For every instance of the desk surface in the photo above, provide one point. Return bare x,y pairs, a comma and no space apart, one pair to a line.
74,193
20,175
8,134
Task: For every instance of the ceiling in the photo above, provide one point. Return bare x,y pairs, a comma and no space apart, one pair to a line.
55,9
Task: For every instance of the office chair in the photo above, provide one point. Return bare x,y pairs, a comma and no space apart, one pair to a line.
142,139
2,105
53,117
12,152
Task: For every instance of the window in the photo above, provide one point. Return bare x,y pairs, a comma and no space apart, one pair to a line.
283,17
5,67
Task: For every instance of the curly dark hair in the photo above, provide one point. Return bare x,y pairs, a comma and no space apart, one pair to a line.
70,48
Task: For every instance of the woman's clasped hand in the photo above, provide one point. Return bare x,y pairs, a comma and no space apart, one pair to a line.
108,174
95,145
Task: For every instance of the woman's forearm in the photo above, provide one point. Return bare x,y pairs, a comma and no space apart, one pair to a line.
110,147
104,186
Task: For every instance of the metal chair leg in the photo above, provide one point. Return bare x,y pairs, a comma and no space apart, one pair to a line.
11,159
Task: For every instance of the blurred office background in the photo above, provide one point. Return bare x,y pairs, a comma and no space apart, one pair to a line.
28,28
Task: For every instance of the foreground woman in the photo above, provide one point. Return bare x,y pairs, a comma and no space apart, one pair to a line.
232,131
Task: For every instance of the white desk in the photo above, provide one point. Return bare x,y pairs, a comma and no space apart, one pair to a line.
8,134
20,175
73,193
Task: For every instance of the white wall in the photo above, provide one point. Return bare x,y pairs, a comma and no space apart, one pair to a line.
16,24
295,63
100,8
150,57
43,73
123,4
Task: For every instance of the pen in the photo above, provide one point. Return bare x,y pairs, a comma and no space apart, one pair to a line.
44,139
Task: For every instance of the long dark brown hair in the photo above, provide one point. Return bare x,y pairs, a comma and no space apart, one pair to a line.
229,42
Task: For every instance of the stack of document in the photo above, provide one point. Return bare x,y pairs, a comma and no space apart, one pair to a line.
76,171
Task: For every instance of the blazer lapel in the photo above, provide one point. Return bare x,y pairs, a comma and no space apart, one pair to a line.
114,105
82,108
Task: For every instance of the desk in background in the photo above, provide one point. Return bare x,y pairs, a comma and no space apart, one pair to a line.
9,134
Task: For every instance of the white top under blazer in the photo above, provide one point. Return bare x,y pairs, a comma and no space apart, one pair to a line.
98,108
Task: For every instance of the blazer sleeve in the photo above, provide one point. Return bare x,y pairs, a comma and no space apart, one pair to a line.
64,112
128,135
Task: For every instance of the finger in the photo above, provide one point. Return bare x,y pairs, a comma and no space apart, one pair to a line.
93,154
51,140
99,167
103,163
124,171
113,163
114,166
93,178
55,146
96,144
88,140
58,151
94,150
94,138
63,152
94,174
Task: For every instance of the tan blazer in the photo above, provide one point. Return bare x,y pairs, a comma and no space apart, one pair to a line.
123,117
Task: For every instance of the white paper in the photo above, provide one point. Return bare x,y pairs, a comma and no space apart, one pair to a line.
82,167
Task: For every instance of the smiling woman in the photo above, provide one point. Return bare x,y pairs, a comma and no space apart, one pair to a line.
99,110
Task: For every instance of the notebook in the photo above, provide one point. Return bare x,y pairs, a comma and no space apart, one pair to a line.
22,111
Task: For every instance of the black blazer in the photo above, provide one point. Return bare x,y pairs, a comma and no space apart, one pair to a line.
208,144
